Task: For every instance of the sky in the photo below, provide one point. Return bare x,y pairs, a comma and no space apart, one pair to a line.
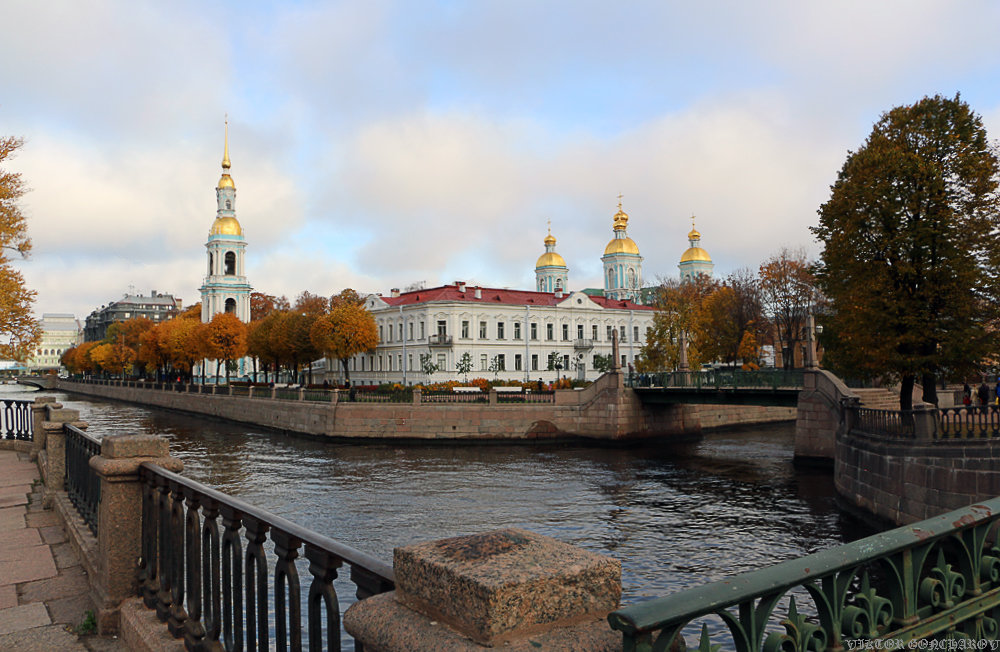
380,144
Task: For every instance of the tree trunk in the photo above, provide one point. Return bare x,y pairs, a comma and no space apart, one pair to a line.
930,389
347,371
906,392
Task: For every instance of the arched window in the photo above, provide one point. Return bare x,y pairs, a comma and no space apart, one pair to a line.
229,205
230,263
231,305
611,278
209,264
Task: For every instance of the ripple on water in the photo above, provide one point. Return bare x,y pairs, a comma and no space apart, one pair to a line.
676,516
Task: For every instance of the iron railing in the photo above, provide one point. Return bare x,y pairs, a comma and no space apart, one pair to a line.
443,396
195,572
939,578
526,397
888,423
720,379
15,420
404,395
321,395
968,422
83,486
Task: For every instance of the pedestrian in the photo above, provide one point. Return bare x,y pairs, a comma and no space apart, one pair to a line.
997,391
984,394
966,395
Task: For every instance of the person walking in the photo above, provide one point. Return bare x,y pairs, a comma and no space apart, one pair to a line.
966,395
984,394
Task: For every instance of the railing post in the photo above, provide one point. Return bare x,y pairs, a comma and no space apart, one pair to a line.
55,444
335,395
250,391
302,393
417,395
493,396
924,422
119,517
38,409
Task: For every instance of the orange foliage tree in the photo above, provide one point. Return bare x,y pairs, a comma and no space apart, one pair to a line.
225,340
347,330
19,330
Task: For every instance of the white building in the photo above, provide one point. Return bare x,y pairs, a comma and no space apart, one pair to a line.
60,332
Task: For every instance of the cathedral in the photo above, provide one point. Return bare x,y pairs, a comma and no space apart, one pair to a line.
542,334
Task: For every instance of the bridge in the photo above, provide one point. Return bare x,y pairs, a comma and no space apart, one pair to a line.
41,382
773,387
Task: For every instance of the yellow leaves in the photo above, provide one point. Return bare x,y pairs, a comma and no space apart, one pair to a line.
19,331
225,337
349,329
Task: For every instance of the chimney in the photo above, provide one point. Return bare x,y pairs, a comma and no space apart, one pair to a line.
559,293
461,285
479,293
394,292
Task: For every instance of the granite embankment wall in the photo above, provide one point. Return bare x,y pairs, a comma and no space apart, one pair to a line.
604,410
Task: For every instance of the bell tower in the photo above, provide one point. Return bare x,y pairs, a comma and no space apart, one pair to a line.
225,288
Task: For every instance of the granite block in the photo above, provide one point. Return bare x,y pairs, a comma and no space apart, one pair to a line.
505,584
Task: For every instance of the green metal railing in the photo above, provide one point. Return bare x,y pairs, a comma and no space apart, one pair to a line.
937,579
719,379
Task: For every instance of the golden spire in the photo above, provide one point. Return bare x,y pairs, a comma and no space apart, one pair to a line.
225,157
693,235
621,217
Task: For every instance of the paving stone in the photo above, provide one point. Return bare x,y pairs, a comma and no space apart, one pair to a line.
42,639
70,610
15,489
52,534
42,519
23,617
12,518
64,554
37,566
103,644
67,583
8,596
13,500
20,538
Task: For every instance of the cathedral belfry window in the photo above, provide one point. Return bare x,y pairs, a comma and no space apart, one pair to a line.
229,204
230,305
230,263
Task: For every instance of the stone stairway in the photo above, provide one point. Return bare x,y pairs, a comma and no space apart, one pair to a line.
878,398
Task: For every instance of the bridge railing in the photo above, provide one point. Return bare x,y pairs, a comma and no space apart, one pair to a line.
15,420
219,570
887,423
939,578
969,422
719,379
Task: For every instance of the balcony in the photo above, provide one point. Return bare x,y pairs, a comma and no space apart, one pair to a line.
583,344
439,340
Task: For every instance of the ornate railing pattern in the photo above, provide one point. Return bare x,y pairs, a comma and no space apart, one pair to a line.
972,422
15,420
404,395
526,397
887,423
321,395
208,588
83,486
718,379
443,396
937,579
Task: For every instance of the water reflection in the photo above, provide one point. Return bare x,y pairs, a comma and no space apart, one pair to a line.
675,515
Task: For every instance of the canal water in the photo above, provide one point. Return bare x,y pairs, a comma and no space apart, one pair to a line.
675,515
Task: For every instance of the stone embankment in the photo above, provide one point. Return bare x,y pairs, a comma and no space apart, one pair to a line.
606,410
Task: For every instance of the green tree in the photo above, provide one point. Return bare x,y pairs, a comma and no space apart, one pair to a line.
427,364
20,332
910,258
464,365
602,363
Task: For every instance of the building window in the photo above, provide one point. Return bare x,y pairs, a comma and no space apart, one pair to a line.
501,362
409,361
388,363
230,263
411,331
231,305
482,330
380,338
609,334
579,331
441,363
422,334
380,363
549,329
465,329
500,329
635,333
566,362
399,361
388,332
534,331
483,362
623,361
442,328
621,334
565,332
399,331
594,332
517,330
534,362
517,362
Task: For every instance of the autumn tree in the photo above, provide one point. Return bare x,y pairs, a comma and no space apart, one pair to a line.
910,257
225,340
789,293
311,304
347,330
678,310
19,331
261,305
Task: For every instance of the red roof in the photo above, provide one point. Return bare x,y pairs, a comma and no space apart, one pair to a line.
500,296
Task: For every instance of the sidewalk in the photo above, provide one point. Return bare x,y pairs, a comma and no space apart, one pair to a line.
44,596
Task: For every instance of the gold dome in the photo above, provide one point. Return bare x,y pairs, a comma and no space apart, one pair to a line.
550,259
226,182
226,226
694,235
549,239
622,246
695,254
